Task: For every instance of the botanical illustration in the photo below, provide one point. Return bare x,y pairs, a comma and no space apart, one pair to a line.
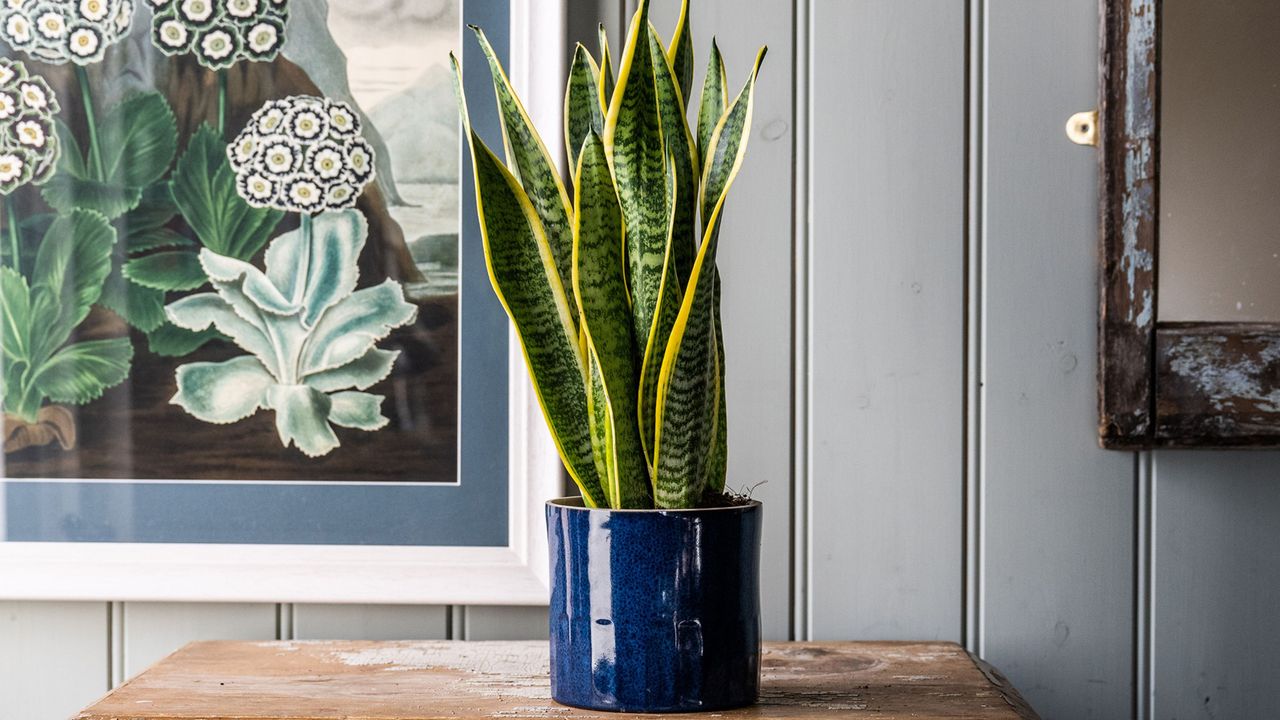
226,253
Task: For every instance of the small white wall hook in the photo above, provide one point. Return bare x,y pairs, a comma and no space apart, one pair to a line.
1082,128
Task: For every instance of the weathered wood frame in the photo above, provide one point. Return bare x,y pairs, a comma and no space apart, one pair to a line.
1161,384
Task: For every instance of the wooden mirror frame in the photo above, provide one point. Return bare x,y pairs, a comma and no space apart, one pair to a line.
1161,384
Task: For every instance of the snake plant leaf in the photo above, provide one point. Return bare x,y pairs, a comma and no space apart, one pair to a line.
525,277
203,187
317,274
606,69
223,392
302,418
599,425
718,462
599,286
689,385
680,53
633,139
727,148
70,269
82,371
670,296
680,148
15,311
582,110
350,328
361,373
529,161
715,97
204,310
359,410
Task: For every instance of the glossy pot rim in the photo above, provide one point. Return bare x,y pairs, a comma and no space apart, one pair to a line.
574,503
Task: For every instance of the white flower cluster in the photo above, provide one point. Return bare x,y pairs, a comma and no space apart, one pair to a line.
302,154
28,145
57,31
220,32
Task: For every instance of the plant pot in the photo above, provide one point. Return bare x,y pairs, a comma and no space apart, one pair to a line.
654,610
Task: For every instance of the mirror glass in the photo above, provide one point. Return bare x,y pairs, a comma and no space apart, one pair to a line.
1220,161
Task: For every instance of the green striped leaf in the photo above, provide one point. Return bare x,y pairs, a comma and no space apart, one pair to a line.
679,141
714,99
727,148
718,462
689,385
529,161
600,288
633,138
583,113
669,299
680,53
523,272
597,417
606,69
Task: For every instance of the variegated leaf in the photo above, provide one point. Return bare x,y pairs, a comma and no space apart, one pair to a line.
600,288
714,99
597,417
524,275
689,383
606,69
633,139
583,113
680,53
718,462
670,296
529,161
679,146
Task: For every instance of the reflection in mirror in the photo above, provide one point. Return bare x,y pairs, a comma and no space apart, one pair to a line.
1220,161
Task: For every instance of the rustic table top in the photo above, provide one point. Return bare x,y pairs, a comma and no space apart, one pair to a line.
331,680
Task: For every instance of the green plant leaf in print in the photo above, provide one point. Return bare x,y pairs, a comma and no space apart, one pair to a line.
204,189
142,229
169,340
71,266
138,139
40,315
166,270
311,337
81,371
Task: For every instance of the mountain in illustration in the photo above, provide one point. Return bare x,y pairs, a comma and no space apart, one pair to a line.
420,128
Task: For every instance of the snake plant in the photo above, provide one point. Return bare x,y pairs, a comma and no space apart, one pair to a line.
611,283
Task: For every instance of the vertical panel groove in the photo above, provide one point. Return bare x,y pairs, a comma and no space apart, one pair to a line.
975,59
115,644
1142,592
800,333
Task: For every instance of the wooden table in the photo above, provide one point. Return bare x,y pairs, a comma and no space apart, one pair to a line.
329,680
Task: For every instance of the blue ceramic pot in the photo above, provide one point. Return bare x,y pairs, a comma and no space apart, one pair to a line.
654,610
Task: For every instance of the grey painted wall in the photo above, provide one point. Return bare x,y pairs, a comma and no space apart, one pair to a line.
910,307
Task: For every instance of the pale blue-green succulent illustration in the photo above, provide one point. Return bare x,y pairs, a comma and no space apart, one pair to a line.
311,336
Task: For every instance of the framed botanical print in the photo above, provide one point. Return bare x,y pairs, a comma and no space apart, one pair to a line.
249,351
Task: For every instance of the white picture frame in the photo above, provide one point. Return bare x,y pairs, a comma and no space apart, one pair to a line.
515,574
